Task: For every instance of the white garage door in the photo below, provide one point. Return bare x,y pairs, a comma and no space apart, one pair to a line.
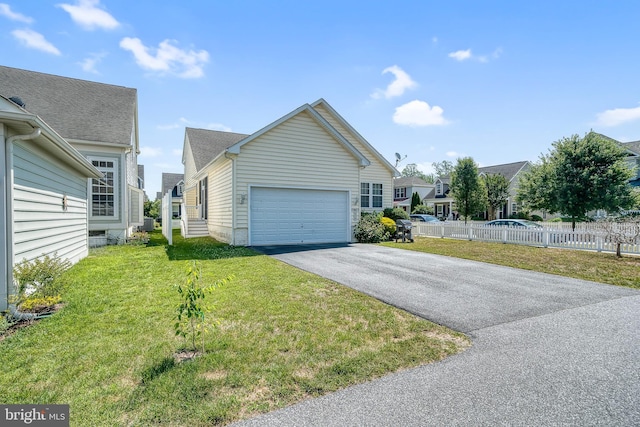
282,216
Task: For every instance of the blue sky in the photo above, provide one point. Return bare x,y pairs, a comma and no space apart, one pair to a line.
498,81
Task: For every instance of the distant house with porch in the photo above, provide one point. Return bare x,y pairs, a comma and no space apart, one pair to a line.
174,183
405,186
444,204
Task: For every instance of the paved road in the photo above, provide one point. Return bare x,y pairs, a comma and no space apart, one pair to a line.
546,350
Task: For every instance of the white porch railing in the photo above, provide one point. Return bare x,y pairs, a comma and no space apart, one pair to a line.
592,238
192,212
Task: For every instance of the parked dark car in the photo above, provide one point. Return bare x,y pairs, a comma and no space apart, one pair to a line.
423,218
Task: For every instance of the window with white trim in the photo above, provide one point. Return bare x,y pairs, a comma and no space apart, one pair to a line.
514,209
438,188
401,192
104,190
370,195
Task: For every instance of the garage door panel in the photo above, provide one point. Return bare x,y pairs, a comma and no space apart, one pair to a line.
292,216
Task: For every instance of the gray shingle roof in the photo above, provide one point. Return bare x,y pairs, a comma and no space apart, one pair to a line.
169,180
409,181
76,109
207,144
632,146
508,170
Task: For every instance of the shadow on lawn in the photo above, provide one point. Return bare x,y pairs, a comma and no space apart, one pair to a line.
197,248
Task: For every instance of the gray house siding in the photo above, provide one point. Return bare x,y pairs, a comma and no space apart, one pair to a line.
49,207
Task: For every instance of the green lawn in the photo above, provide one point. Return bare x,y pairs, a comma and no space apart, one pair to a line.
285,335
597,267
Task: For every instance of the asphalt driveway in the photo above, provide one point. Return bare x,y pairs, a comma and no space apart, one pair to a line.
547,350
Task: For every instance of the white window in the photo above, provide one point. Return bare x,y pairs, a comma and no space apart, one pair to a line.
364,195
401,193
370,195
438,188
514,209
376,197
104,199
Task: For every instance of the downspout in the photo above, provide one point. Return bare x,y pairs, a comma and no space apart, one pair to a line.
9,217
233,197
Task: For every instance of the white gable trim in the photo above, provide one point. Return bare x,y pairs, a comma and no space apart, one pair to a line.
356,135
235,148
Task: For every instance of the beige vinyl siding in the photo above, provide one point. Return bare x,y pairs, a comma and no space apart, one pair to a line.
298,153
220,218
41,224
376,172
189,166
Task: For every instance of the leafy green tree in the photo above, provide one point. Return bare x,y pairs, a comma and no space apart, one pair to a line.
443,168
152,209
579,175
497,192
415,201
467,188
412,170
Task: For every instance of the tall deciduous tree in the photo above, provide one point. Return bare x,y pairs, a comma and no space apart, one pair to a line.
579,175
497,192
443,168
415,201
467,188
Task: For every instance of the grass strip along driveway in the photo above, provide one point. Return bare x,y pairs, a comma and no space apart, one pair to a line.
585,265
284,335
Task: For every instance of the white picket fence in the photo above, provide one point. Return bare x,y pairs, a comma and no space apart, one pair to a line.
585,238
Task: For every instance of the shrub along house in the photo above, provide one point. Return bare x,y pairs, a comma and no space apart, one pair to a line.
304,178
43,200
101,122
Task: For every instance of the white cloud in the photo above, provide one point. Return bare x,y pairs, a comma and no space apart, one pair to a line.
5,10
398,86
89,64
182,122
452,154
167,58
218,126
618,116
419,113
87,14
146,151
461,55
35,40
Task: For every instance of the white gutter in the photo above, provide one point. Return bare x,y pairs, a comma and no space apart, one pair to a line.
9,203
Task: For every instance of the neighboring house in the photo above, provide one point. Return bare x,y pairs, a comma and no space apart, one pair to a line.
444,204
141,181
633,157
43,193
305,178
405,186
174,183
101,122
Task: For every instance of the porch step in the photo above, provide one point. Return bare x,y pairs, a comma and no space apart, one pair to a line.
197,228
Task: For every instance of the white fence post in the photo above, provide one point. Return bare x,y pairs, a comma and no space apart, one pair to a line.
167,218
558,237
